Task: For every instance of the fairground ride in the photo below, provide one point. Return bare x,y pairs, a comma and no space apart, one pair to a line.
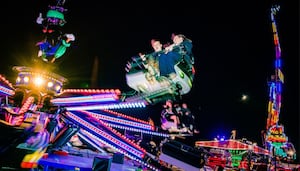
274,138
39,116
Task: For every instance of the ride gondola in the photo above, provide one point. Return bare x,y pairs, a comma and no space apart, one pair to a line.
150,85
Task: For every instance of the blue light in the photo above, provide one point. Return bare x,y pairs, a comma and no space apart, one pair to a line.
220,138
278,63
279,87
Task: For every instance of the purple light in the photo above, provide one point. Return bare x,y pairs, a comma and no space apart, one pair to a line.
6,91
85,99
107,106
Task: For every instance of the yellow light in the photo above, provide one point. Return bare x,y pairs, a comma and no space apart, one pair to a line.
57,87
26,79
244,97
38,81
18,79
50,84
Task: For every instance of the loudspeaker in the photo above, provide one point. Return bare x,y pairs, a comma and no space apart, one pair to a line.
118,158
101,164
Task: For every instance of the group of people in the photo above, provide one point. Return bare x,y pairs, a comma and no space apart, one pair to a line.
164,57
177,118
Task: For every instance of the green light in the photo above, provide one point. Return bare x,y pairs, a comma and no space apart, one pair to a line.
190,83
181,74
55,14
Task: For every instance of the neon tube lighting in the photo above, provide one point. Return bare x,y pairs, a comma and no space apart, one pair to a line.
84,99
120,121
107,106
6,91
107,136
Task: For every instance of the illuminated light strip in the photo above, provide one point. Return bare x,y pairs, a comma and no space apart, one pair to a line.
275,33
96,145
100,141
119,120
84,99
3,79
44,76
26,105
127,117
124,122
231,145
6,91
280,75
109,137
86,133
131,142
138,130
92,91
107,106
228,144
23,69
276,85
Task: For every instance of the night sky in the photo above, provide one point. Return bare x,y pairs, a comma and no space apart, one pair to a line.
232,44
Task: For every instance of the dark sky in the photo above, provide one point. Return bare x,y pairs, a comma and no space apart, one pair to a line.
232,45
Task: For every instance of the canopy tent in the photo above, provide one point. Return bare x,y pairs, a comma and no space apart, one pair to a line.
232,145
